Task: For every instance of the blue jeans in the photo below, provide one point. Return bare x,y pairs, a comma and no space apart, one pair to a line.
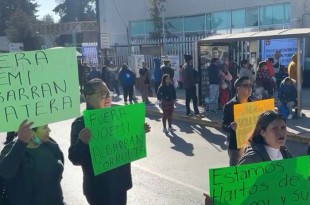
214,94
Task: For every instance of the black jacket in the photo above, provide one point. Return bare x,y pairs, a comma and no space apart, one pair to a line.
228,118
167,70
190,76
257,153
166,92
118,179
214,74
24,181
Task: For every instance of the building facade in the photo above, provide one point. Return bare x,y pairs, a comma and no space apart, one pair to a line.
186,18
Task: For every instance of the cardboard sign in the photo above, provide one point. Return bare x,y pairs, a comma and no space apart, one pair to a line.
246,115
282,182
41,86
118,136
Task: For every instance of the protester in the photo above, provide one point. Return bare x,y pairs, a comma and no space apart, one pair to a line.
276,62
264,81
104,73
214,80
108,188
94,73
308,150
166,69
243,87
190,77
145,78
269,66
32,166
113,78
82,77
167,96
288,96
267,141
157,74
292,68
127,79
225,85
245,70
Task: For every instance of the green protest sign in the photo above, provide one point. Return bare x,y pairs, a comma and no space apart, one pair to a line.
118,136
282,182
41,86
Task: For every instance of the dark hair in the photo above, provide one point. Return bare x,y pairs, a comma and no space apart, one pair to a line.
10,136
90,86
271,59
213,60
261,64
240,81
124,66
263,122
244,61
163,79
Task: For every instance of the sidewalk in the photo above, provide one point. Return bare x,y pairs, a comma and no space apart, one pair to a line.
298,129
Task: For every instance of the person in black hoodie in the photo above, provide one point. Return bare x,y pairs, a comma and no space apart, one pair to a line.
167,95
108,188
190,78
243,87
32,167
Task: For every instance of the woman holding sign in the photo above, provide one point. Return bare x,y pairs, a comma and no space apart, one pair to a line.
32,166
266,142
109,187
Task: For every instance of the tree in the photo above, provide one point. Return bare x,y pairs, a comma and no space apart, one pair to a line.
76,10
8,8
155,9
22,29
48,19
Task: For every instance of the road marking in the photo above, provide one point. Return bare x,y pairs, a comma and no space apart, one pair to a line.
169,178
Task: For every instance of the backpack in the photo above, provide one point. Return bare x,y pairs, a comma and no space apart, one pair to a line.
127,78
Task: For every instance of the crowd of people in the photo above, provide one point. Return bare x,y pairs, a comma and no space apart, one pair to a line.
32,163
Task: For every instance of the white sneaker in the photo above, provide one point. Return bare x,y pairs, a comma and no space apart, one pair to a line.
165,130
290,116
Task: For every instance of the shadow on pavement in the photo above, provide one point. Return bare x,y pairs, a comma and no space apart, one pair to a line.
211,137
180,144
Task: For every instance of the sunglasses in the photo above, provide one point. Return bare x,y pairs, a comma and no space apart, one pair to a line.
103,94
246,85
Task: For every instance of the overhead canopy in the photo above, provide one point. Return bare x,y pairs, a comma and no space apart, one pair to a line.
258,35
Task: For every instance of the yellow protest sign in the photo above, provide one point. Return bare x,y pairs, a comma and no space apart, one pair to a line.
246,115
41,86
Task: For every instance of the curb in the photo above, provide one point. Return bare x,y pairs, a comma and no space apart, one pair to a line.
290,136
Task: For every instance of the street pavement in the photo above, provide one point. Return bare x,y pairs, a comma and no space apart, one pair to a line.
175,171
298,128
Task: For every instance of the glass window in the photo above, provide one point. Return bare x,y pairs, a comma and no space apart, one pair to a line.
287,13
265,15
208,22
220,20
137,28
238,19
149,26
174,25
251,17
278,14
194,23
